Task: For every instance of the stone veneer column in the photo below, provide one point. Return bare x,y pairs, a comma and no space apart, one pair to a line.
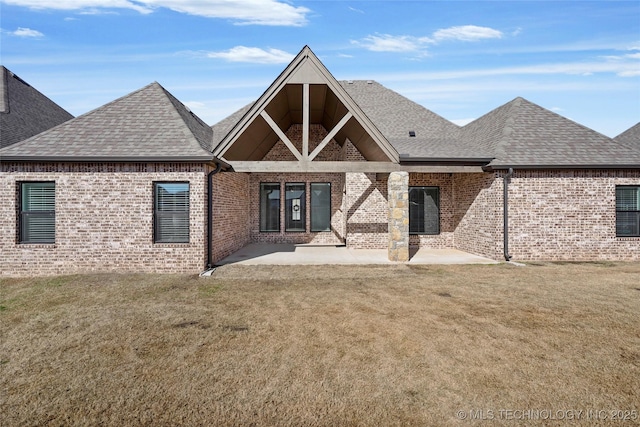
398,195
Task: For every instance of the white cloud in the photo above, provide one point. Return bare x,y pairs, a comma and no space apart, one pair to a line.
27,32
389,43
253,55
405,43
467,33
242,12
620,68
81,4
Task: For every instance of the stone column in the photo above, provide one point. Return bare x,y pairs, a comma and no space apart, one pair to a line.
398,195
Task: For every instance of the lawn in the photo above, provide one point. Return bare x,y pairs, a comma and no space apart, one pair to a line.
325,346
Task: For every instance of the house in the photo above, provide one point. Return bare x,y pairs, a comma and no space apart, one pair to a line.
142,184
24,111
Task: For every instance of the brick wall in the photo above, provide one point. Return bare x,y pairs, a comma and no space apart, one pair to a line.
280,152
478,214
568,215
367,211
104,219
231,213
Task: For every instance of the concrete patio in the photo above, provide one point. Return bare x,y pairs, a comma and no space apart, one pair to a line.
309,254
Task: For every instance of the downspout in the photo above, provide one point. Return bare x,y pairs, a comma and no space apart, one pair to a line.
505,215
210,214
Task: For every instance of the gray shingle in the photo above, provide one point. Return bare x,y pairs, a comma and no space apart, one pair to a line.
148,124
631,136
224,126
394,116
25,112
521,133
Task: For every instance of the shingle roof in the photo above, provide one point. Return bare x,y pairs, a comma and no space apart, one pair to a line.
224,126
148,124
395,116
521,133
517,134
24,111
630,136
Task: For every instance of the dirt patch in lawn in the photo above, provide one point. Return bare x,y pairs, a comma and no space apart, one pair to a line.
324,345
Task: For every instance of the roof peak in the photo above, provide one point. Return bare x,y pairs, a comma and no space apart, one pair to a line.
148,123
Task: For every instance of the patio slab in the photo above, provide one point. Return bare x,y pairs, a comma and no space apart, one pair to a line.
308,254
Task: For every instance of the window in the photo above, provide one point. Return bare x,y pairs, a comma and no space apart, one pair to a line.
424,210
37,212
171,212
295,198
628,211
320,206
270,206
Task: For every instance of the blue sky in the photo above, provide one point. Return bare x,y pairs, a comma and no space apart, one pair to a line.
459,59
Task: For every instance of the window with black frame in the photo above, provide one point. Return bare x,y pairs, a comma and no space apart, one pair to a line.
37,212
171,212
320,206
628,211
295,213
269,206
424,210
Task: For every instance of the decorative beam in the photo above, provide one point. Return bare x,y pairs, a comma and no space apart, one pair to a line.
330,135
305,120
281,134
342,167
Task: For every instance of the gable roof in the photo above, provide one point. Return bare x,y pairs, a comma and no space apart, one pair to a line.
523,134
630,136
436,138
149,124
284,103
24,111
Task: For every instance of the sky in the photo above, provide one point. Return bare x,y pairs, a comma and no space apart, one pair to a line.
459,59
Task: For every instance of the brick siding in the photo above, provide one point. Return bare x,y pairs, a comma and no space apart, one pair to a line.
478,214
568,215
104,219
280,152
104,215
231,213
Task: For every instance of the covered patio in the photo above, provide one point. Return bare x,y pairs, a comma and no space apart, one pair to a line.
309,254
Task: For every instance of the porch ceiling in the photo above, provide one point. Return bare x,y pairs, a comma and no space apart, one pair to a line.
287,109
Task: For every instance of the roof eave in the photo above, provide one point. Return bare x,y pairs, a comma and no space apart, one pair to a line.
112,159
490,167
450,160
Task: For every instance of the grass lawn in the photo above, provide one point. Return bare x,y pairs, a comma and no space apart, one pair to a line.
325,345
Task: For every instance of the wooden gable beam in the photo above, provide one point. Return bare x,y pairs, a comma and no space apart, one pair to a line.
281,134
330,135
306,106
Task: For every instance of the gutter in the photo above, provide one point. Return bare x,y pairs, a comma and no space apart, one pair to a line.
505,215
406,159
492,168
106,159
